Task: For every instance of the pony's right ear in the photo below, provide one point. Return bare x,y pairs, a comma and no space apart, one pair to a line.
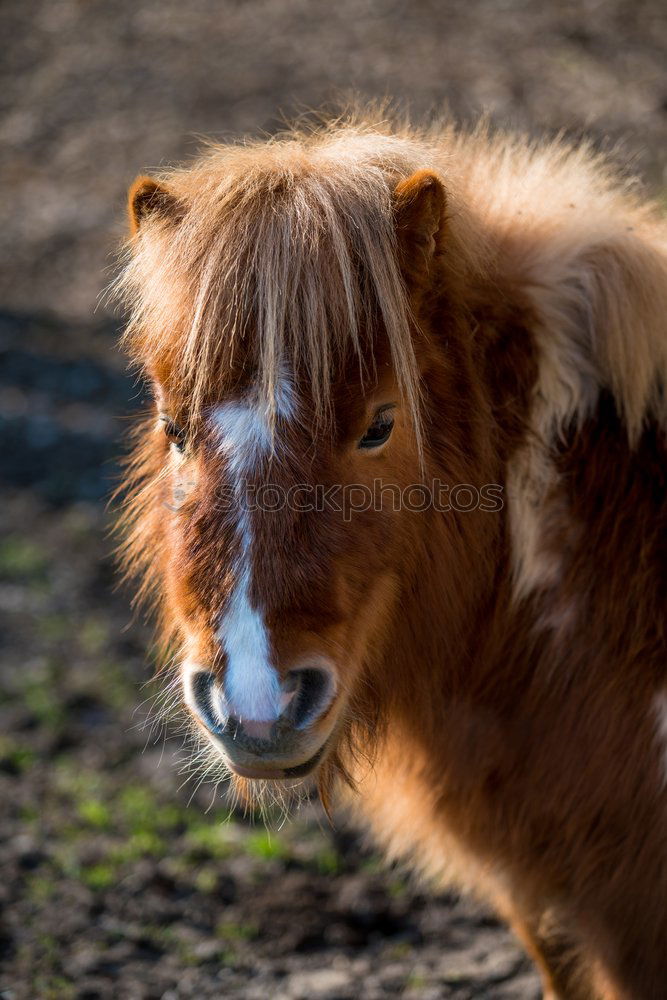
149,197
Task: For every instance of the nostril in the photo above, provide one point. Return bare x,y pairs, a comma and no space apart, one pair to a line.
305,694
204,699
314,691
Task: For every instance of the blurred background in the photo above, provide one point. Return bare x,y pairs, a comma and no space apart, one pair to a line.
119,877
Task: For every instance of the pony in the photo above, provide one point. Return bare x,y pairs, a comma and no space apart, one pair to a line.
400,501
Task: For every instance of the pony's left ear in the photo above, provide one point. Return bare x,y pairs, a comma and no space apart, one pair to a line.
419,212
148,197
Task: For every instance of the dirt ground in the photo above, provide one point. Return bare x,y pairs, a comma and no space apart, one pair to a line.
120,877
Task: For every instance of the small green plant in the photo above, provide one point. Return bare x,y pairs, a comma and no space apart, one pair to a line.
230,931
14,757
40,889
94,813
21,558
208,840
416,981
142,843
328,861
267,846
206,880
99,877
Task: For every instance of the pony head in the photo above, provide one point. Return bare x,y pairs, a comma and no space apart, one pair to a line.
280,298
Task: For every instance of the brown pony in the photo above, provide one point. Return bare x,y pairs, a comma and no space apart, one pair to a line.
402,502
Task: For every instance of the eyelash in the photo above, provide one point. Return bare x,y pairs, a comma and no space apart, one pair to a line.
383,422
174,433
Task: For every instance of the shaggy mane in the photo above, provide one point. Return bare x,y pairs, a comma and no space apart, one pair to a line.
284,251
277,253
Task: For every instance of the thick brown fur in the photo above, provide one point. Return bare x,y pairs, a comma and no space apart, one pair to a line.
502,716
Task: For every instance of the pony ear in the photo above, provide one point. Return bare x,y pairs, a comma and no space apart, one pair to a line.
149,197
419,212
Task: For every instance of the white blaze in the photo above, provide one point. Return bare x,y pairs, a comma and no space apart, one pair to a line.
252,685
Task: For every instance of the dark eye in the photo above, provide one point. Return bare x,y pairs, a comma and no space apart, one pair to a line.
380,430
174,433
